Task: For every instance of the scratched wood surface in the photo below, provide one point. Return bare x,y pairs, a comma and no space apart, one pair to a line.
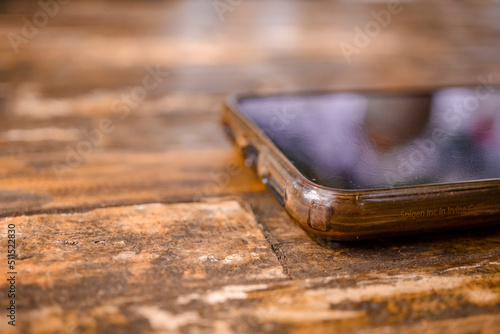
133,211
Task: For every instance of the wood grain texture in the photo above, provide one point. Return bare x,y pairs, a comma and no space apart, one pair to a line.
77,261
304,256
35,184
210,265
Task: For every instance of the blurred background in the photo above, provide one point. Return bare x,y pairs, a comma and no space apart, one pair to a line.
156,72
108,103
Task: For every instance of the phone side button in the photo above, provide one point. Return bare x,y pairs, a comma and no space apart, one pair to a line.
275,188
319,217
251,155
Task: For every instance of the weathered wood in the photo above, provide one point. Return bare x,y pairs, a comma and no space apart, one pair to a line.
296,46
149,268
78,261
188,267
32,183
303,256
163,131
395,304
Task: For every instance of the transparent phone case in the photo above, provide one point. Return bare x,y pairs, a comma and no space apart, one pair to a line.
340,214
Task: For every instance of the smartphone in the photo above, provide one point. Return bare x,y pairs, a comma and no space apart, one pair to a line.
352,165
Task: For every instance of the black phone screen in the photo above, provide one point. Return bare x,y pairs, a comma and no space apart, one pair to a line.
375,141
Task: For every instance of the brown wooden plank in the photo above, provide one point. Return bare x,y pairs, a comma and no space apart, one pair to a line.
352,304
79,261
171,148
159,133
303,256
401,304
207,266
425,44
42,182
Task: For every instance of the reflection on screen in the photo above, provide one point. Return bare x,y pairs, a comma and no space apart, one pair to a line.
367,141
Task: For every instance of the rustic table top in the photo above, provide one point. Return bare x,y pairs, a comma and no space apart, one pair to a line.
133,212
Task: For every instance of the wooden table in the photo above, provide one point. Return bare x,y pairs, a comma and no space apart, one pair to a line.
134,213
